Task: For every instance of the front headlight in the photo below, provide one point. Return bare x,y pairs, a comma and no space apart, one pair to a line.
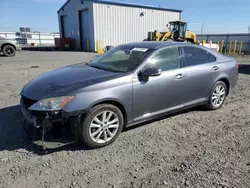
51,104
16,42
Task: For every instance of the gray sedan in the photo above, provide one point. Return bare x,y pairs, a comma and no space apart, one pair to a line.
127,85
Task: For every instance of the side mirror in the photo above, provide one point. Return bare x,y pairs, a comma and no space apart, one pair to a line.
149,72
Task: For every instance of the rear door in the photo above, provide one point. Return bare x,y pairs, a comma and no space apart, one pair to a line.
201,69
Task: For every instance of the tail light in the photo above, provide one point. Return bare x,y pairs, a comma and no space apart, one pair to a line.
237,65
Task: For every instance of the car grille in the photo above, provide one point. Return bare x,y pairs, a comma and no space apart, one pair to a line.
28,102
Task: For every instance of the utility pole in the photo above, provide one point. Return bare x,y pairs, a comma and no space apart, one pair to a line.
202,28
248,29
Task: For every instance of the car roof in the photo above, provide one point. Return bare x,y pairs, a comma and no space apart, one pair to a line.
154,44
161,44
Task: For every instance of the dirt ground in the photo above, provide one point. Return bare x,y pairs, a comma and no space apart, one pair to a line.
194,148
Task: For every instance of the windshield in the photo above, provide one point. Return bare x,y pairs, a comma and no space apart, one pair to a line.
121,59
174,26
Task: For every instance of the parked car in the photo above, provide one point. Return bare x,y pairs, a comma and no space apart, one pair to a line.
129,84
9,46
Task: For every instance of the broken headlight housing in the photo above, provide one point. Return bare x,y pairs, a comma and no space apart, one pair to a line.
51,104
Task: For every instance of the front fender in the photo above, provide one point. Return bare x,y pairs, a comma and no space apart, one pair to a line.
87,99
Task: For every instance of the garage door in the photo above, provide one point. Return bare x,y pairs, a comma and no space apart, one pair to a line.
84,24
66,32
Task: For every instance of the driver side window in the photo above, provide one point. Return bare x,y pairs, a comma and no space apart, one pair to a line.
167,59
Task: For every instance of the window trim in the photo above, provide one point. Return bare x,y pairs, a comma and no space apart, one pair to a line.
185,60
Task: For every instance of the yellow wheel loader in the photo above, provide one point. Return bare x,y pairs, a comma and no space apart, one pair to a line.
177,32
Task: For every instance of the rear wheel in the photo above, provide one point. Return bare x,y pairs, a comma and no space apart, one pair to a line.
217,96
9,50
101,126
188,41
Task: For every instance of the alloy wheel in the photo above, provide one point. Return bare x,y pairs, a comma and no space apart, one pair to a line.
218,96
104,127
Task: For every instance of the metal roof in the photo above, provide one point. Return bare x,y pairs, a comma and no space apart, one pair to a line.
125,4
178,21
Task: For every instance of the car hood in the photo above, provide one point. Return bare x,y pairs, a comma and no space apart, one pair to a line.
8,40
65,80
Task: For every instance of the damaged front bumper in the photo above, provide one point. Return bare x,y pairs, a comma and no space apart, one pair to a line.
51,130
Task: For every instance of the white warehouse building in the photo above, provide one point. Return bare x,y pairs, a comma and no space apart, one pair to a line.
113,23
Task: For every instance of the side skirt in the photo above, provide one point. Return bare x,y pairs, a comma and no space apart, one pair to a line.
169,111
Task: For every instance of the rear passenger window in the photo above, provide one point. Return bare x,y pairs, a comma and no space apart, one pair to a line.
195,56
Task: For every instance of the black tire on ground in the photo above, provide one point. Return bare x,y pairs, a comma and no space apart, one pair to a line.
86,122
210,105
9,50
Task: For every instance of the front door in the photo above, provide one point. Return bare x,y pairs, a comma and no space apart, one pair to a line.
162,93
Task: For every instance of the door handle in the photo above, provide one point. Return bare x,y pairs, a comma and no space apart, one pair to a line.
179,76
215,68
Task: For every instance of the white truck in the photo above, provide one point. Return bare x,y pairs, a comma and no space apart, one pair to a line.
9,46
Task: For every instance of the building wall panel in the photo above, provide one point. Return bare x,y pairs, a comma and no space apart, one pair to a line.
114,24
245,38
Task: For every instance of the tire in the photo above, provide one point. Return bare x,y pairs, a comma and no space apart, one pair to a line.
211,103
97,112
9,50
187,41
169,40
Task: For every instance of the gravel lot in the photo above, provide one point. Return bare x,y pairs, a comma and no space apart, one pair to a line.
194,148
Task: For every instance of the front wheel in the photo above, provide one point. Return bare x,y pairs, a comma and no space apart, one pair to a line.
101,126
9,50
217,96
